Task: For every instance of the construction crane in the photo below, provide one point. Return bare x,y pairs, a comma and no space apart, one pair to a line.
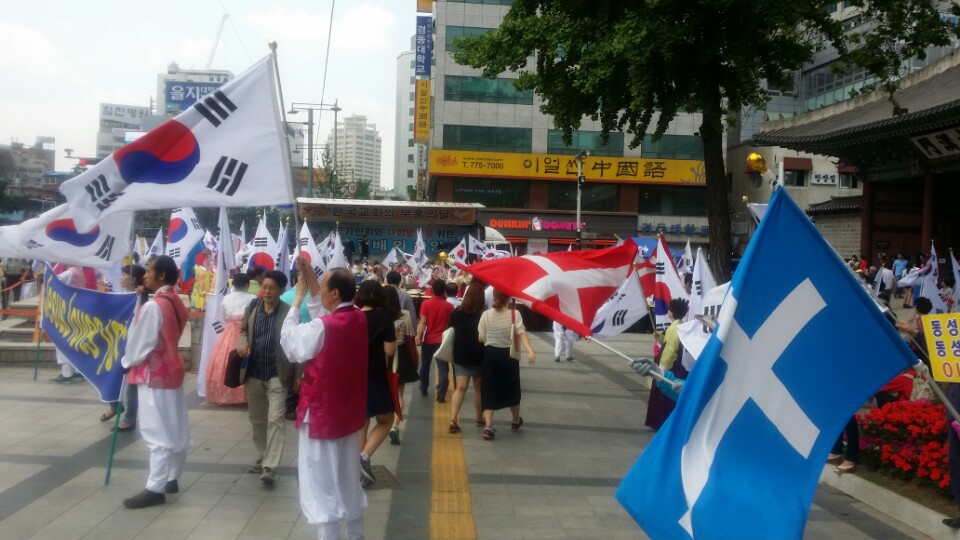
216,40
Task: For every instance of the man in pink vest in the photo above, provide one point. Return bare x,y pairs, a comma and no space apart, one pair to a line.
333,399
156,367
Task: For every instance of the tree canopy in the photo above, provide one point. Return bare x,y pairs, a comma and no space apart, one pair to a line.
633,64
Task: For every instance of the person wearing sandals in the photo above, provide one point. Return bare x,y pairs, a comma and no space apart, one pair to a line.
382,344
401,362
131,279
467,353
497,329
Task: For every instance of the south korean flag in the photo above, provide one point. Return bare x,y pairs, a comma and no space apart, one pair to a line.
225,150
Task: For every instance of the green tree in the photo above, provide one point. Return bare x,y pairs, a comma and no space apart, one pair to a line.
412,193
632,63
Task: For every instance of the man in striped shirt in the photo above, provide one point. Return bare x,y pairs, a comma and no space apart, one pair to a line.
269,373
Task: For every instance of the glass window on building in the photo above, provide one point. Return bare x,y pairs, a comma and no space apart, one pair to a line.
849,180
672,201
483,90
487,138
491,193
585,140
594,197
672,147
794,178
456,32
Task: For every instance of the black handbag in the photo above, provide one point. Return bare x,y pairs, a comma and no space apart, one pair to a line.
236,372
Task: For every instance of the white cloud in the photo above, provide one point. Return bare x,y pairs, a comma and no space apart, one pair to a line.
27,52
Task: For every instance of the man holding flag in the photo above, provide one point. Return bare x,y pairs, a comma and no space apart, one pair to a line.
156,366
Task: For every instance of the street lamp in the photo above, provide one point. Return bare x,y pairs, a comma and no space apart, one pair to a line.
580,181
310,107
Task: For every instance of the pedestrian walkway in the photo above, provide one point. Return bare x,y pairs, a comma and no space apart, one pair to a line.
555,478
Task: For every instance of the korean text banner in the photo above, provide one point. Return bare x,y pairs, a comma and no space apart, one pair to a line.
423,46
560,167
421,124
90,329
942,333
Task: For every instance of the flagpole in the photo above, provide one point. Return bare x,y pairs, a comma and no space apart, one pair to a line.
283,137
38,332
653,374
116,430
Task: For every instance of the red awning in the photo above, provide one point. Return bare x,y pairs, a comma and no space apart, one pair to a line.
515,239
841,168
797,164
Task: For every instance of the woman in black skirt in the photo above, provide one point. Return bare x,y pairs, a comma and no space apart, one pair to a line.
401,362
382,345
467,353
498,327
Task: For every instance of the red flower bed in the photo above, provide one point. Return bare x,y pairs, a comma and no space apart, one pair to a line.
907,440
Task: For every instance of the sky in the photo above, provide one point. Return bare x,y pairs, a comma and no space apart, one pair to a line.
61,58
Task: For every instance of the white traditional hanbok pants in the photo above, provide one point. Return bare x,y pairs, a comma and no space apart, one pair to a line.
330,490
66,368
563,340
165,429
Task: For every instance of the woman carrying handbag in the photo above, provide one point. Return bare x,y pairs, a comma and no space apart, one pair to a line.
500,329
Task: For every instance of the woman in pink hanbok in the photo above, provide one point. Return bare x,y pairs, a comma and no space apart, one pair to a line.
234,305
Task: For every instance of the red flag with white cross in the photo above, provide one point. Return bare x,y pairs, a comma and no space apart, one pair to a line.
565,286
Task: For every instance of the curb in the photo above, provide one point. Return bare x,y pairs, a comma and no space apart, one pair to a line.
908,512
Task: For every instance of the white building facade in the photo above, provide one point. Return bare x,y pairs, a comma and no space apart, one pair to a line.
405,150
358,148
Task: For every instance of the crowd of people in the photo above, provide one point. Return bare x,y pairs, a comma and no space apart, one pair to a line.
334,355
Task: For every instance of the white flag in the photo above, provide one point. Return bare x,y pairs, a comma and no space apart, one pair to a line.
309,251
955,297
694,334
140,248
156,248
622,310
668,286
419,257
459,253
184,239
283,254
225,150
475,246
263,249
242,244
338,260
687,259
757,210
214,320
703,281
391,258
210,242
53,236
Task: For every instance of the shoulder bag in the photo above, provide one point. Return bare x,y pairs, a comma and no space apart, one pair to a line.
445,351
514,338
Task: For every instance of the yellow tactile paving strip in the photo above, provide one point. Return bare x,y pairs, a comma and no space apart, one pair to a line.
451,511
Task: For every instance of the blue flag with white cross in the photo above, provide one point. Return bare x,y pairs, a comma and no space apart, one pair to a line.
798,348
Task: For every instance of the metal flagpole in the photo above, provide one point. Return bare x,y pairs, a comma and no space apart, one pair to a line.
283,132
39,331
655,375
116,430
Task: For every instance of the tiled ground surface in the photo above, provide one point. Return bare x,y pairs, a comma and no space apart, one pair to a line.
553,479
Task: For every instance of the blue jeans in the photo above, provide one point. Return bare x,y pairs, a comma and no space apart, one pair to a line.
443,370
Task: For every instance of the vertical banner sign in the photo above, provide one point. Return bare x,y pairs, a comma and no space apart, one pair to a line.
942,333
90,329
423,51
424,6
421,119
